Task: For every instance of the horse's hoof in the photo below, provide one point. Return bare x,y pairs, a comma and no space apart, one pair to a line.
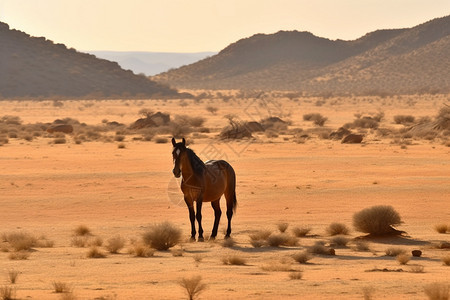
192,239
227,236
200,239
212,238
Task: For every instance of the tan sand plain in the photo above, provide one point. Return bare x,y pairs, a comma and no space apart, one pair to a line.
48,189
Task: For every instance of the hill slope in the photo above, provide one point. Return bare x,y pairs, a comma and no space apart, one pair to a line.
35,67
385,61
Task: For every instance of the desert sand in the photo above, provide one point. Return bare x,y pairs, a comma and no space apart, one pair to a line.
49,189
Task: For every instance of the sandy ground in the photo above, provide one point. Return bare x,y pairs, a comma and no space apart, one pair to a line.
48,189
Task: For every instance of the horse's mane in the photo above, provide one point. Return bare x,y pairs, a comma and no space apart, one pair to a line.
198,166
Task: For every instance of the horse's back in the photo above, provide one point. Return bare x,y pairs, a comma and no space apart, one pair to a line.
219,174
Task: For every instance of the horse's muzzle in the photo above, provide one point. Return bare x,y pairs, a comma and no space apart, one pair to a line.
176,173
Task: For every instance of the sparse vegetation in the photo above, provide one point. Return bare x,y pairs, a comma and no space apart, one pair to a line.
339,240
229,242
403,258
441,228
82,230
193,286
162,236
234,259
61,287
281,239
301,231
437,291
141,250
114,244
282,265
337,228
446,260
13,275
296,275
302,257
377,220
282,226
316,118
7,293
94,252
395,251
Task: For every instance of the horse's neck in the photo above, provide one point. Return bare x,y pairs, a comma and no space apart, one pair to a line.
186,168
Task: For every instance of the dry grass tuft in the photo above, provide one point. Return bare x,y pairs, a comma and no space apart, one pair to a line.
296,275
441,228
302,257
377,220
403,258
360,245
61,287
94,252
446,260
337,228
115,244
82,230
339,240
395,251
12,275
417,269
259,238
7,293
437,291
278,266
141,250
281,239
320,248
19,255
20,240
368,292
282,226
301,231
162,236
234,260
193,286
228,243
198,258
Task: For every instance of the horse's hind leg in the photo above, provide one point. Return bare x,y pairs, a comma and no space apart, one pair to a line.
217,213
199,220
230,207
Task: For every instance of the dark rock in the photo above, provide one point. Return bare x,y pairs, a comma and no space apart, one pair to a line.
416,253
352,139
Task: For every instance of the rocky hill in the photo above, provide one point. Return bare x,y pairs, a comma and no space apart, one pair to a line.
32,67
412,60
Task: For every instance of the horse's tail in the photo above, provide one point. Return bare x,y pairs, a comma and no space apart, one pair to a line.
231,187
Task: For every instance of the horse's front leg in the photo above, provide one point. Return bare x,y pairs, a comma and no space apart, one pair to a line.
190,206
199,218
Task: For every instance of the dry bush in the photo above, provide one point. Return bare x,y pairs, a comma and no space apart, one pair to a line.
360,245
404,119
193,286
141,250
441,228
302,257
417,269
234,260
403,258
301,231
20,240
281,239
12,275
161,140
82,230
277,266
162,236
177,252
316,118
320,248
79,241
61,287
337,228
115,244
437,291
229,242
339,240
282,226
446,260
368,292
394,251
259,238
19,255
188,120
94,252
212,109
296,275
377,220
197,258
7,293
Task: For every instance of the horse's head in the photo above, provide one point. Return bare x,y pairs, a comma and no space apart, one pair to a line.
178,150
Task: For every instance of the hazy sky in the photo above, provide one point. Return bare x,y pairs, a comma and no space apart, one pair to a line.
205,25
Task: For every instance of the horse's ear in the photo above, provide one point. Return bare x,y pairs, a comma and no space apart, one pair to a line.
173,142
184,142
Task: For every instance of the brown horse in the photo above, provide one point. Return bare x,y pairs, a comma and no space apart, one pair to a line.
204,182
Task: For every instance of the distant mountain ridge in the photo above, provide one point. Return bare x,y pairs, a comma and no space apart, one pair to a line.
151,63
393,61
34,67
